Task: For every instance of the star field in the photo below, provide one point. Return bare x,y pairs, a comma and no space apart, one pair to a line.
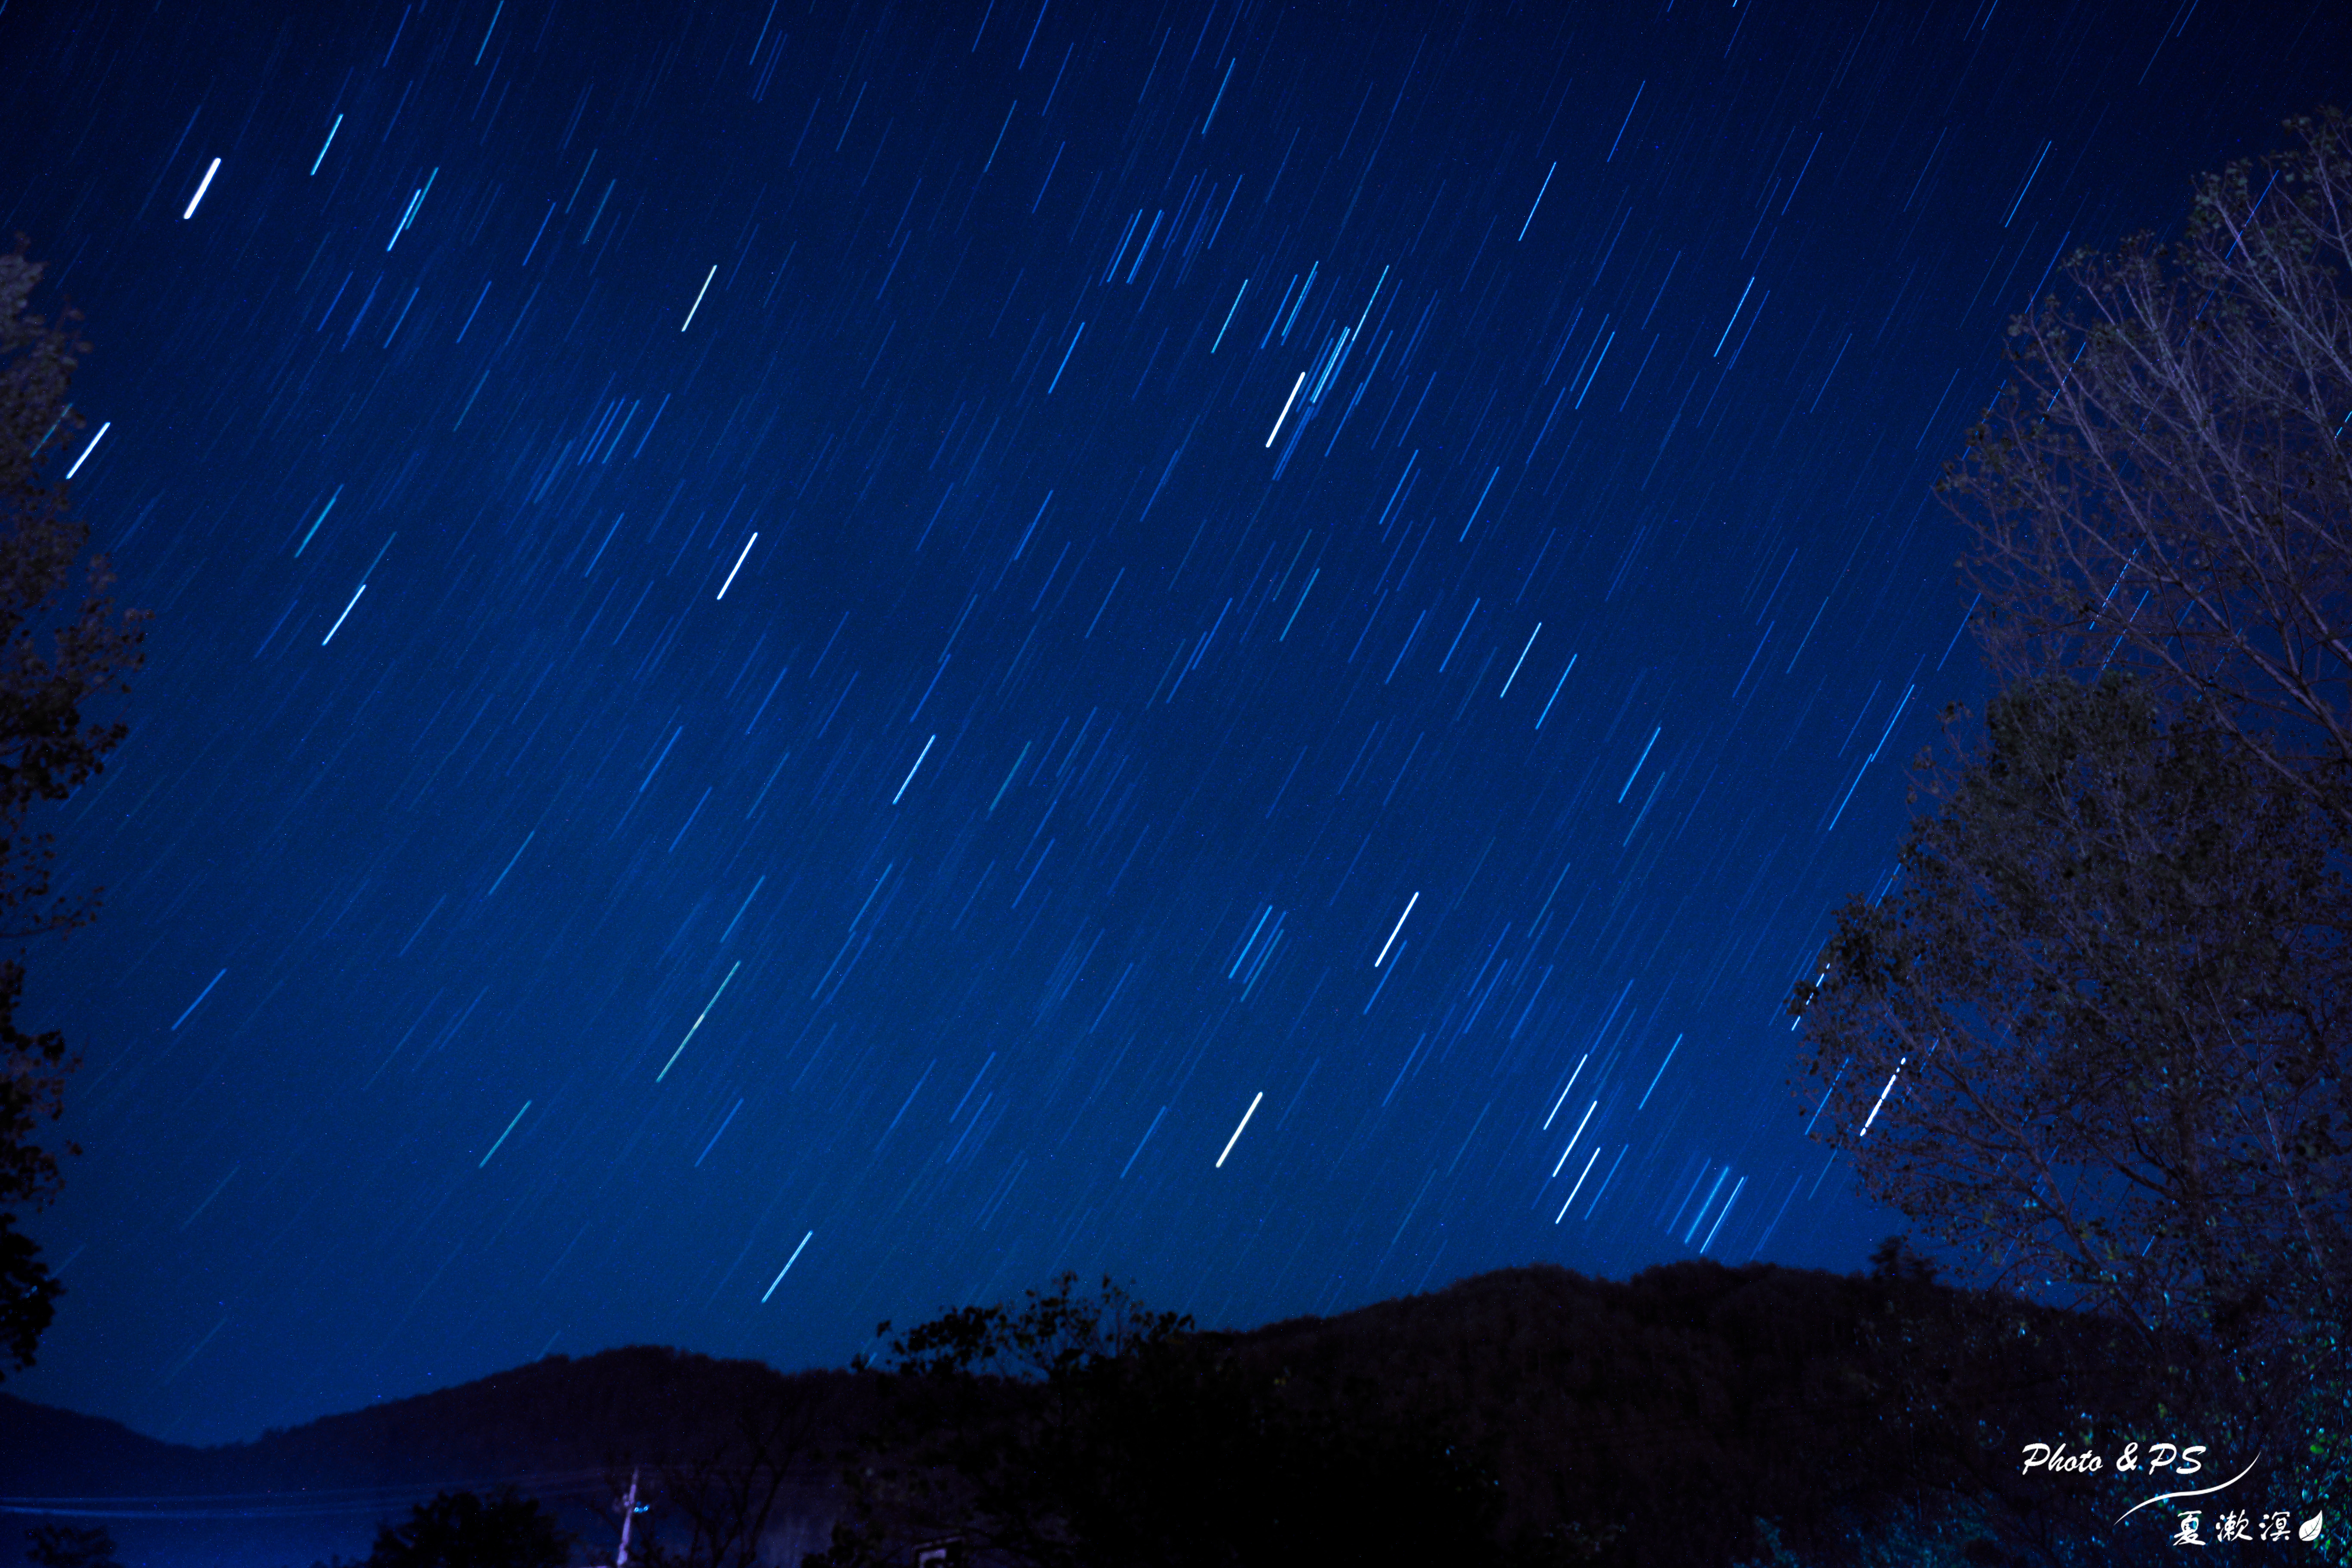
812,661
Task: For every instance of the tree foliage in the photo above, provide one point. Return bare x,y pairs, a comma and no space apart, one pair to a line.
1083,1428
28,1293
2093,1040
46,752
465,1530
71,1546
2092,1035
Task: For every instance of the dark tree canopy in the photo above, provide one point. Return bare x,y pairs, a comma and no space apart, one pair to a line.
1083,1428
46,751
2094,1039
69,1546
2092,1035
463,1530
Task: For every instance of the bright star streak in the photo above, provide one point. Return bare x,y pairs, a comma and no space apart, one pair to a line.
1147,1131
1563,1093
1882,1098
698,302
202,187
1660,1073
1539,196
1065,356
738,566
1229,315
340,619
323,517
1571,1142
1392,934
86,451
502,1136
707,1006
911,771
199,1001
1237,1131
1638,762
1523,658
1734,319
1555,691
329,142
1576,1189
1720,1213
787,1268
1286,409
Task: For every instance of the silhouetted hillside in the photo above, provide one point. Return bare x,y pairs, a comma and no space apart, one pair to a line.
44,1451
564,1416
557,1428
1690,1400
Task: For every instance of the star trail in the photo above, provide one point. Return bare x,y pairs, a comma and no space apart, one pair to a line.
815,660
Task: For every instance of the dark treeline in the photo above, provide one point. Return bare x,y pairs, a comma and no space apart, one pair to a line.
1528,1416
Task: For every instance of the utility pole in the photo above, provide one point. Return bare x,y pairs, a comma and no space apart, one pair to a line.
628,1518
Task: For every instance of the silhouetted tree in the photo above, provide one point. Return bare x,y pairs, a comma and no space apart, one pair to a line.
69,1546
46,751
2164,487
2094,1038
2164,483
722,1485
2107,991
1083,1428
28,1294
463,1530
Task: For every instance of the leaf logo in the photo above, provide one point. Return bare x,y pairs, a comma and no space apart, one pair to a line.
2309,1530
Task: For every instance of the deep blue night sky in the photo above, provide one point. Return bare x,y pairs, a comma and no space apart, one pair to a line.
831,635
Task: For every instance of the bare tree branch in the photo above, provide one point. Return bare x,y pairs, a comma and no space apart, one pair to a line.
2164,483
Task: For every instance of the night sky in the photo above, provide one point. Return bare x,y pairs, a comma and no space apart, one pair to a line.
801,650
